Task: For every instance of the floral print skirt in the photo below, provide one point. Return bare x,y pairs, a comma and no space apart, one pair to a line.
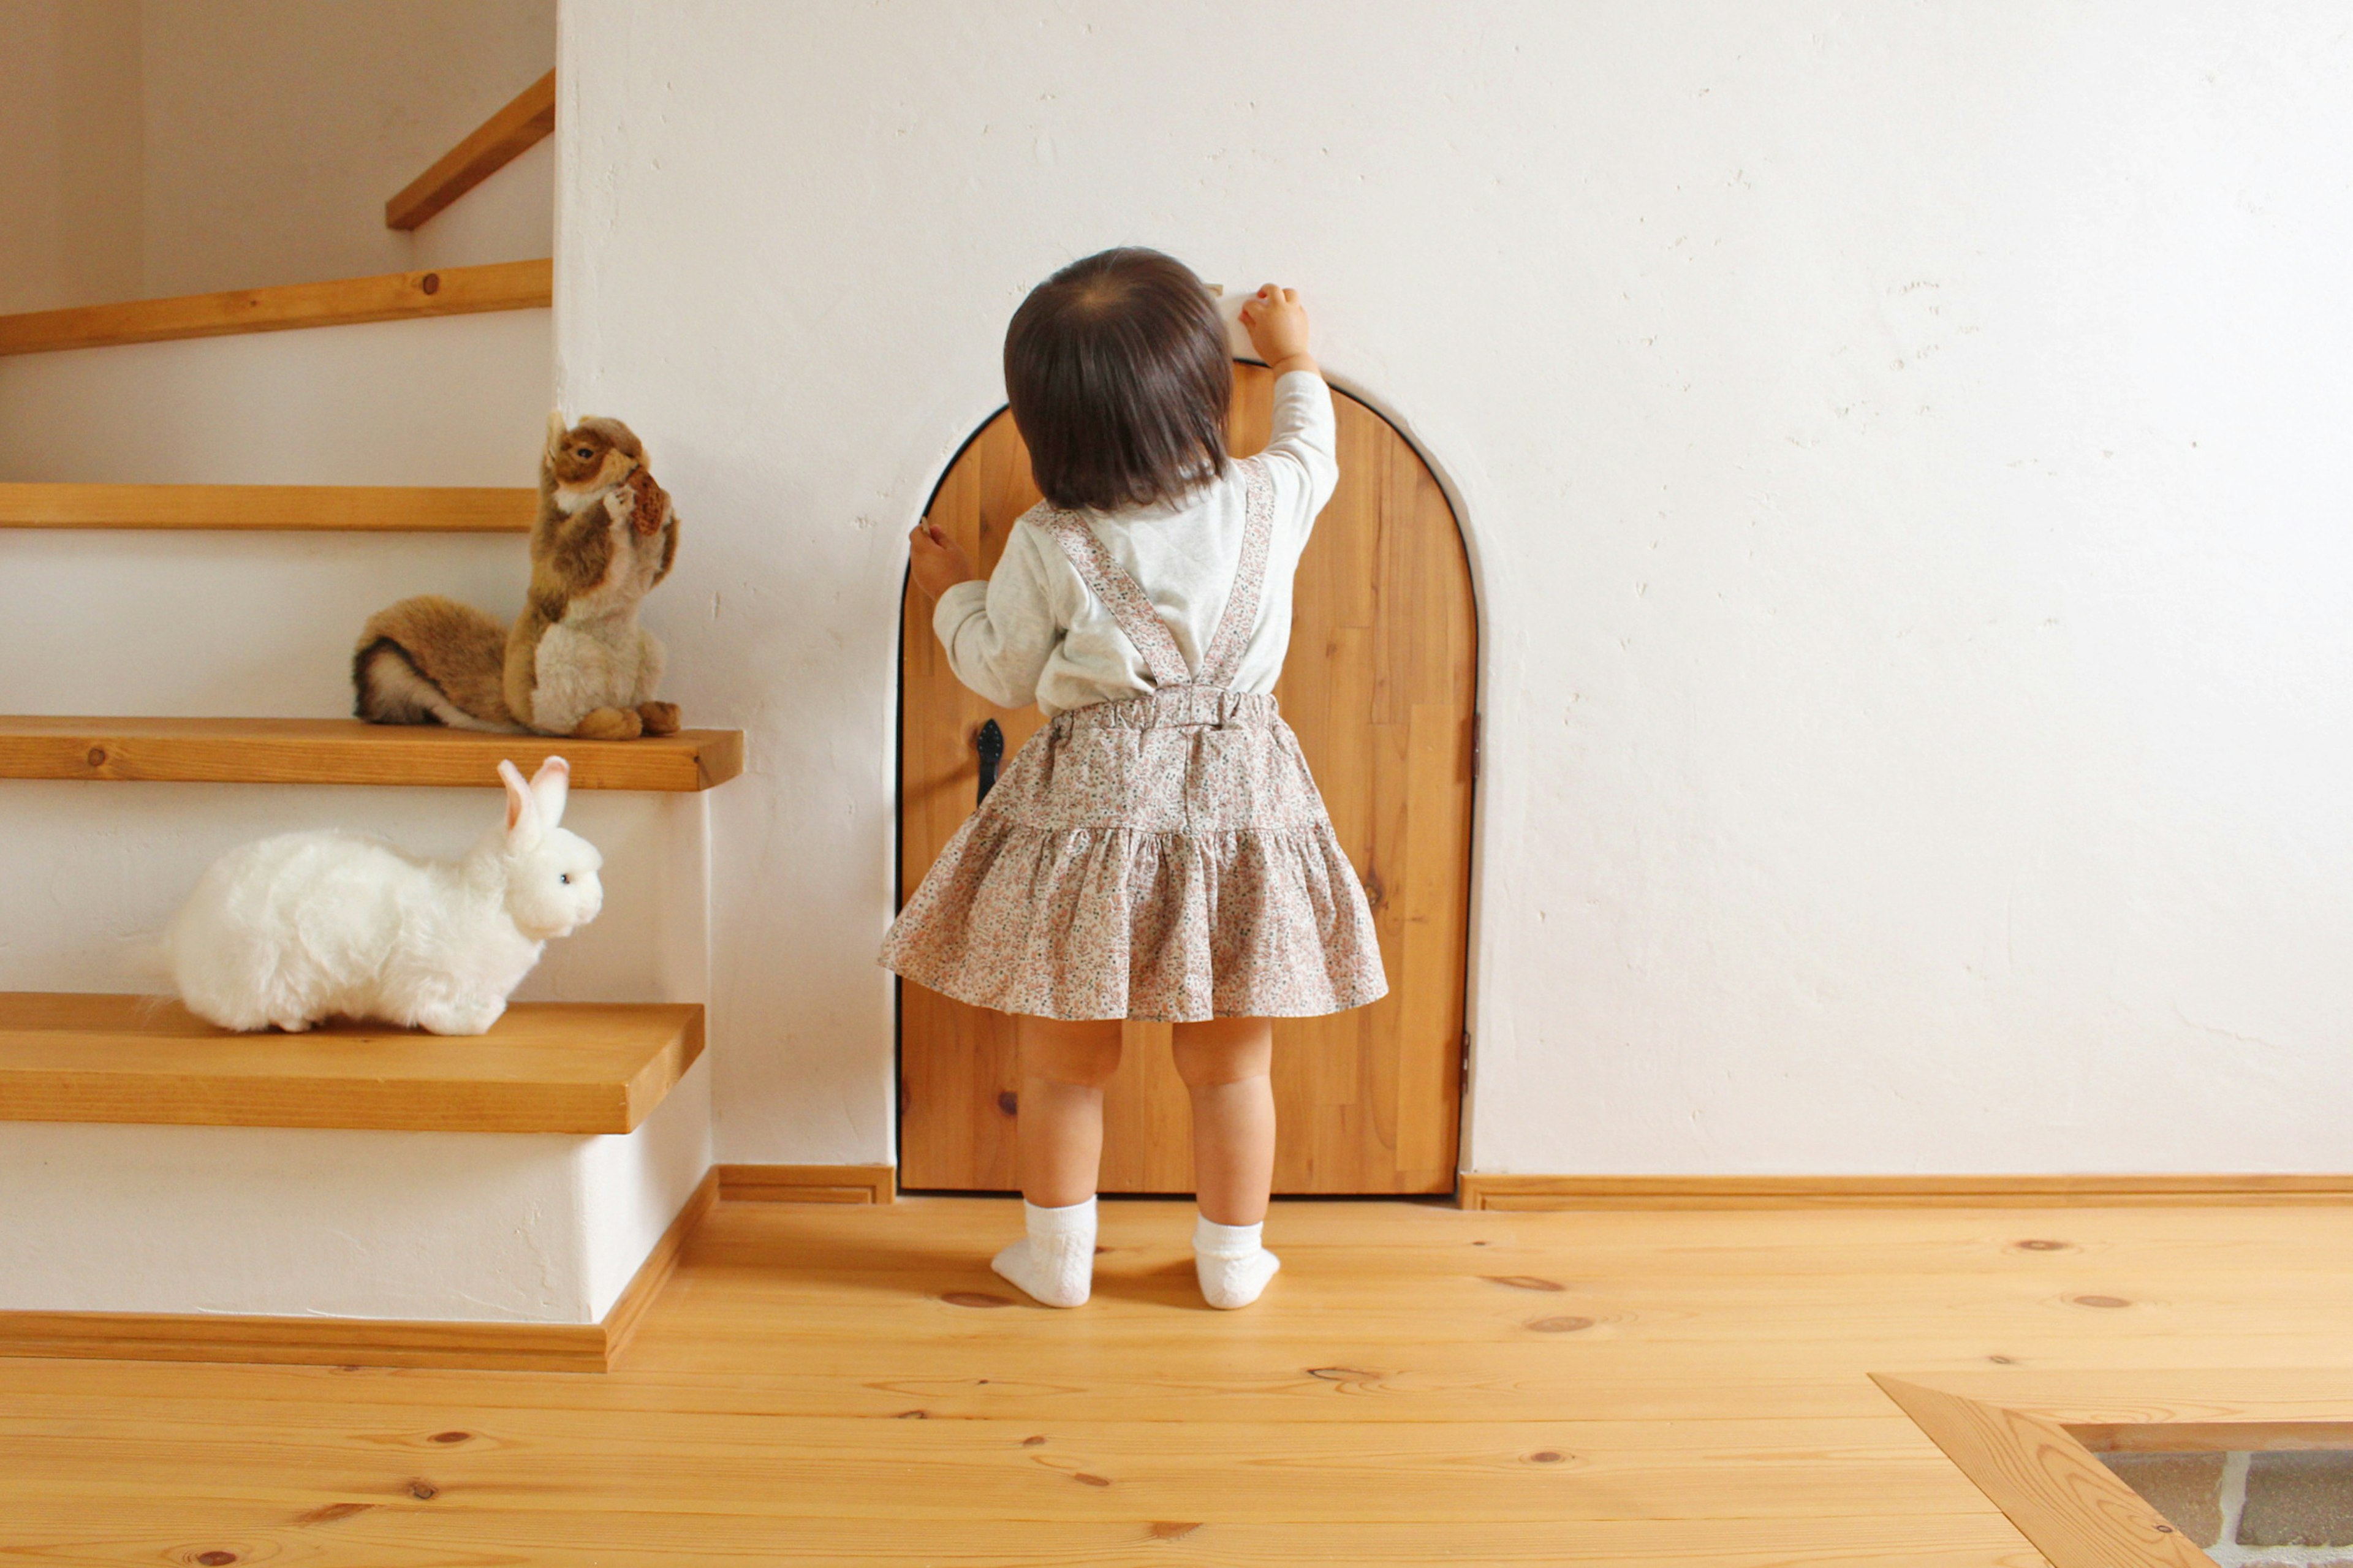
1166,856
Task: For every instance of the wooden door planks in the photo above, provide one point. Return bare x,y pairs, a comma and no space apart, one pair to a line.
1380,687
369,508
338,303
347,752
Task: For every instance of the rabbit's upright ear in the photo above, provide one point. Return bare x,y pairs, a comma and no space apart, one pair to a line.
523,808
548,788
556,430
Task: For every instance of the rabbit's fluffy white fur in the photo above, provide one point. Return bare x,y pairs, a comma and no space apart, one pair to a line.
293,930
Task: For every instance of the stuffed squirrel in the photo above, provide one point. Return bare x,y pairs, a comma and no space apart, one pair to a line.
576,662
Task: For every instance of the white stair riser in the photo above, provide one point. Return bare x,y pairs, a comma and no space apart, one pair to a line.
508,217
440,1226
96,869
453,400
202,624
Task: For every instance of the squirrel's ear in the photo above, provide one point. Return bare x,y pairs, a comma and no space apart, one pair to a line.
556,428
522,810
548,788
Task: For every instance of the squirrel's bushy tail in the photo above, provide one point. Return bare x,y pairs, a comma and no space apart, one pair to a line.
431,660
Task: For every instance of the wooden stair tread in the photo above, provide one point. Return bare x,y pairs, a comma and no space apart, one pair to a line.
347,752
338,303
545,1066
366,508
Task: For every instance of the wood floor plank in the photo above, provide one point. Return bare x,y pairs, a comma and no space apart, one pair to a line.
808,1391
403,1533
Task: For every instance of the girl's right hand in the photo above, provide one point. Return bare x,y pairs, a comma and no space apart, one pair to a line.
938,562
1277,324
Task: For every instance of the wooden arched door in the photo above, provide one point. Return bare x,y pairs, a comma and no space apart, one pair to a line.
1380,685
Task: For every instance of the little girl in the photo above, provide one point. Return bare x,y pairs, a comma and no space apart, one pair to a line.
1158,850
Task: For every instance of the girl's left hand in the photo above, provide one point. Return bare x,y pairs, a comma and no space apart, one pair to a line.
938,561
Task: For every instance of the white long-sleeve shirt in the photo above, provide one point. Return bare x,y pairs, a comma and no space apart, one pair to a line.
1034,632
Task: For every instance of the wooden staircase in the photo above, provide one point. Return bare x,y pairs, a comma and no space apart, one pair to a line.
343,302
342,508
347,752
565,1106
547,1067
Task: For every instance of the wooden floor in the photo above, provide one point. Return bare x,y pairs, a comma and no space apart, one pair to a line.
831,1385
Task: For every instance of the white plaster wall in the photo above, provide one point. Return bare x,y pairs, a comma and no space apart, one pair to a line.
632,1186
1903,450
94,872
508,217
161,147
450,400
276,129
70,182
291,1221
311,1222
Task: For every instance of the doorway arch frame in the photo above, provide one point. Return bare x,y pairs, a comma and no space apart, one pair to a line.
1475,557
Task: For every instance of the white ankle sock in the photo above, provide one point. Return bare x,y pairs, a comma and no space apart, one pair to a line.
1055,1263
1232,1265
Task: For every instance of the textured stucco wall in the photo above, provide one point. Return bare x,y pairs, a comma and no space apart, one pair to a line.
275,131
70,182
313,1222
161,147
1903,449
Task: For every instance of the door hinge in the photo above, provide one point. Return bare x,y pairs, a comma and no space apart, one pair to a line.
1464,1083
1478,744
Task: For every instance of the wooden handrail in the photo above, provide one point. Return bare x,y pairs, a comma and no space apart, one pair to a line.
344,302
371,509
492,146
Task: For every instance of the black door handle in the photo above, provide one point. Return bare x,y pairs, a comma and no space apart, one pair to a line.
990,741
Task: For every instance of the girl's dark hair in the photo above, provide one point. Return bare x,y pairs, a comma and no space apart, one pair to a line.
1116,370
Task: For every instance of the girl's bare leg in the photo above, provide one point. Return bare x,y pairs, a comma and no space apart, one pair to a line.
1059,1117
1058,1129
1225,1064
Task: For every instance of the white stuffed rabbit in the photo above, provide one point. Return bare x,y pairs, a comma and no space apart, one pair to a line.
295,929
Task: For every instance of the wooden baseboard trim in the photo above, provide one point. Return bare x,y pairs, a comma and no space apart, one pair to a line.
304,1341
365,1341
637,1298
810,1184
1479,1191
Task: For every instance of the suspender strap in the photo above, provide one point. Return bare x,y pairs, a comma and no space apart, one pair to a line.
1122,596
1224,659
1132,607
